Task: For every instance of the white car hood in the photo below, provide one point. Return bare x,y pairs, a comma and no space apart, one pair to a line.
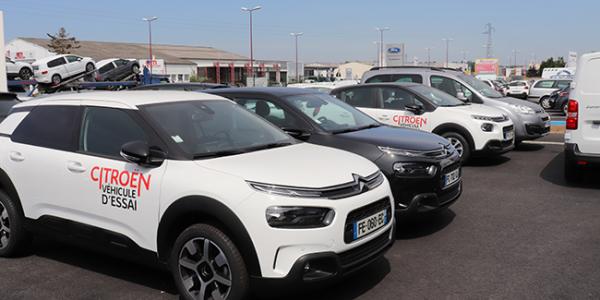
478,109
299,165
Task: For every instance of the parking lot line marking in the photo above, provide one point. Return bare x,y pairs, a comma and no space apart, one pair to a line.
543,143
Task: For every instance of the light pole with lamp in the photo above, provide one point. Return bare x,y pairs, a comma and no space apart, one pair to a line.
250,11
296,35
150,20
381,30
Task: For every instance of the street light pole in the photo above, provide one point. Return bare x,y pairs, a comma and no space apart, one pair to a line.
376,43
296,35
150,20
250,10
381,30
447,40
428,56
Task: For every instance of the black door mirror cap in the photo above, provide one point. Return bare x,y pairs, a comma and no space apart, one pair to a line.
139,152
297,133
415,109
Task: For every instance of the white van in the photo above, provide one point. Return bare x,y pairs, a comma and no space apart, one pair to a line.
582,136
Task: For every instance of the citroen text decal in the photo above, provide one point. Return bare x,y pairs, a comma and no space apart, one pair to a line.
120,188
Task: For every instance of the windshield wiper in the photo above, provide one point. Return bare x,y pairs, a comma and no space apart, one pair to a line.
355,128
240,151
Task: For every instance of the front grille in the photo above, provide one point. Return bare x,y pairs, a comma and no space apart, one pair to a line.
358,186
536,129
363,212
364,252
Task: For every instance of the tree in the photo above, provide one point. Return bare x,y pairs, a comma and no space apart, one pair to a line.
532,72
551,63
61,43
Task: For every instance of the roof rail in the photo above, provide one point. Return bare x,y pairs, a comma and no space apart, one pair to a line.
415,67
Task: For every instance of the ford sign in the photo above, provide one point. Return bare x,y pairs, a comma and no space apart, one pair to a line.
394,50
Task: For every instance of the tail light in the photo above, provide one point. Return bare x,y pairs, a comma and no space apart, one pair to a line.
572,114
526,87
563,94
44,72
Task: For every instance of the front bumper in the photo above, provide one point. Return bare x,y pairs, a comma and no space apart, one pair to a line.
329,267
418,195
496,147
279,249
532,127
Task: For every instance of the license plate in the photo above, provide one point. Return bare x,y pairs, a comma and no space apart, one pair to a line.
509,135
451,178
370,224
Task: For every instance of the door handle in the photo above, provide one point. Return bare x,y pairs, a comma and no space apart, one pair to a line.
75,167
16,156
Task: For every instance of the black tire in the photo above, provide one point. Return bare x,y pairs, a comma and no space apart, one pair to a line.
56,79
545,102
573,173
89,67
25,74
233,265
13,236
455,138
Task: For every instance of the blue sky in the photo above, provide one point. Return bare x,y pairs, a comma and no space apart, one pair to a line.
334,30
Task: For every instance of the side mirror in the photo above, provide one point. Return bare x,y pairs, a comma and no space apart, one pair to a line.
297,133
416,109
138,152
461,96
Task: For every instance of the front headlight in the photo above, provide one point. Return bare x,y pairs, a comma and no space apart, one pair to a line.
294,217
483,118
415,169
523,109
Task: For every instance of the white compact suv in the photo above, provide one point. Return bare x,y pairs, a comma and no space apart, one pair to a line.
582,135
194,180
55,69
470,128
18,69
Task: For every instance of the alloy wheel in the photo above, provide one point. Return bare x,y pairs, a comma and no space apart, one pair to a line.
457,145
545,103
204,270
4,227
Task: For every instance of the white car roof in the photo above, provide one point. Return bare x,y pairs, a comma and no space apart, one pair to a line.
122,99
103,62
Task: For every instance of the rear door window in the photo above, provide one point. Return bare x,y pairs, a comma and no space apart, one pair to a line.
394,98
396,78
73,58
544,84
360,97
56,62
270,112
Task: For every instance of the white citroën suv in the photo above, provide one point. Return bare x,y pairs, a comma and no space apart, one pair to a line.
192,180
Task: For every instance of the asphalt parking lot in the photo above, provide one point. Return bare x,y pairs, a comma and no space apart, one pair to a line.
518,231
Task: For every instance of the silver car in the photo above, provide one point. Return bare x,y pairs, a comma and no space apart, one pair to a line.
530,120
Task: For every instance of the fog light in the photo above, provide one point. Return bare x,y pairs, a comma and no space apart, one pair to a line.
415,169
299,217
487,127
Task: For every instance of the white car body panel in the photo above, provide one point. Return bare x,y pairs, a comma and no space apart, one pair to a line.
587,93
43,73
460,115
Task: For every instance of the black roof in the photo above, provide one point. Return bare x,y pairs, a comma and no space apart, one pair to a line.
402,84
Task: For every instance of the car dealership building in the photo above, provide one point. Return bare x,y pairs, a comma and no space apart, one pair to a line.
180,63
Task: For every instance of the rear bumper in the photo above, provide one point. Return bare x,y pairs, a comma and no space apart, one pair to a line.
573,154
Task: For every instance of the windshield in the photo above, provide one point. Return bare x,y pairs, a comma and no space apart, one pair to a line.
479,86
435,96
331,114
214,128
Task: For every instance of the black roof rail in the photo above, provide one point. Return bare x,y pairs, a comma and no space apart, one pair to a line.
415,67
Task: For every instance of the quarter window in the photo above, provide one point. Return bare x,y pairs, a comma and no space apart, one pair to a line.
394,98
105,130
72,58
49,126
106,68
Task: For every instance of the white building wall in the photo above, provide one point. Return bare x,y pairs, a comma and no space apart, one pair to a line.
180,73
